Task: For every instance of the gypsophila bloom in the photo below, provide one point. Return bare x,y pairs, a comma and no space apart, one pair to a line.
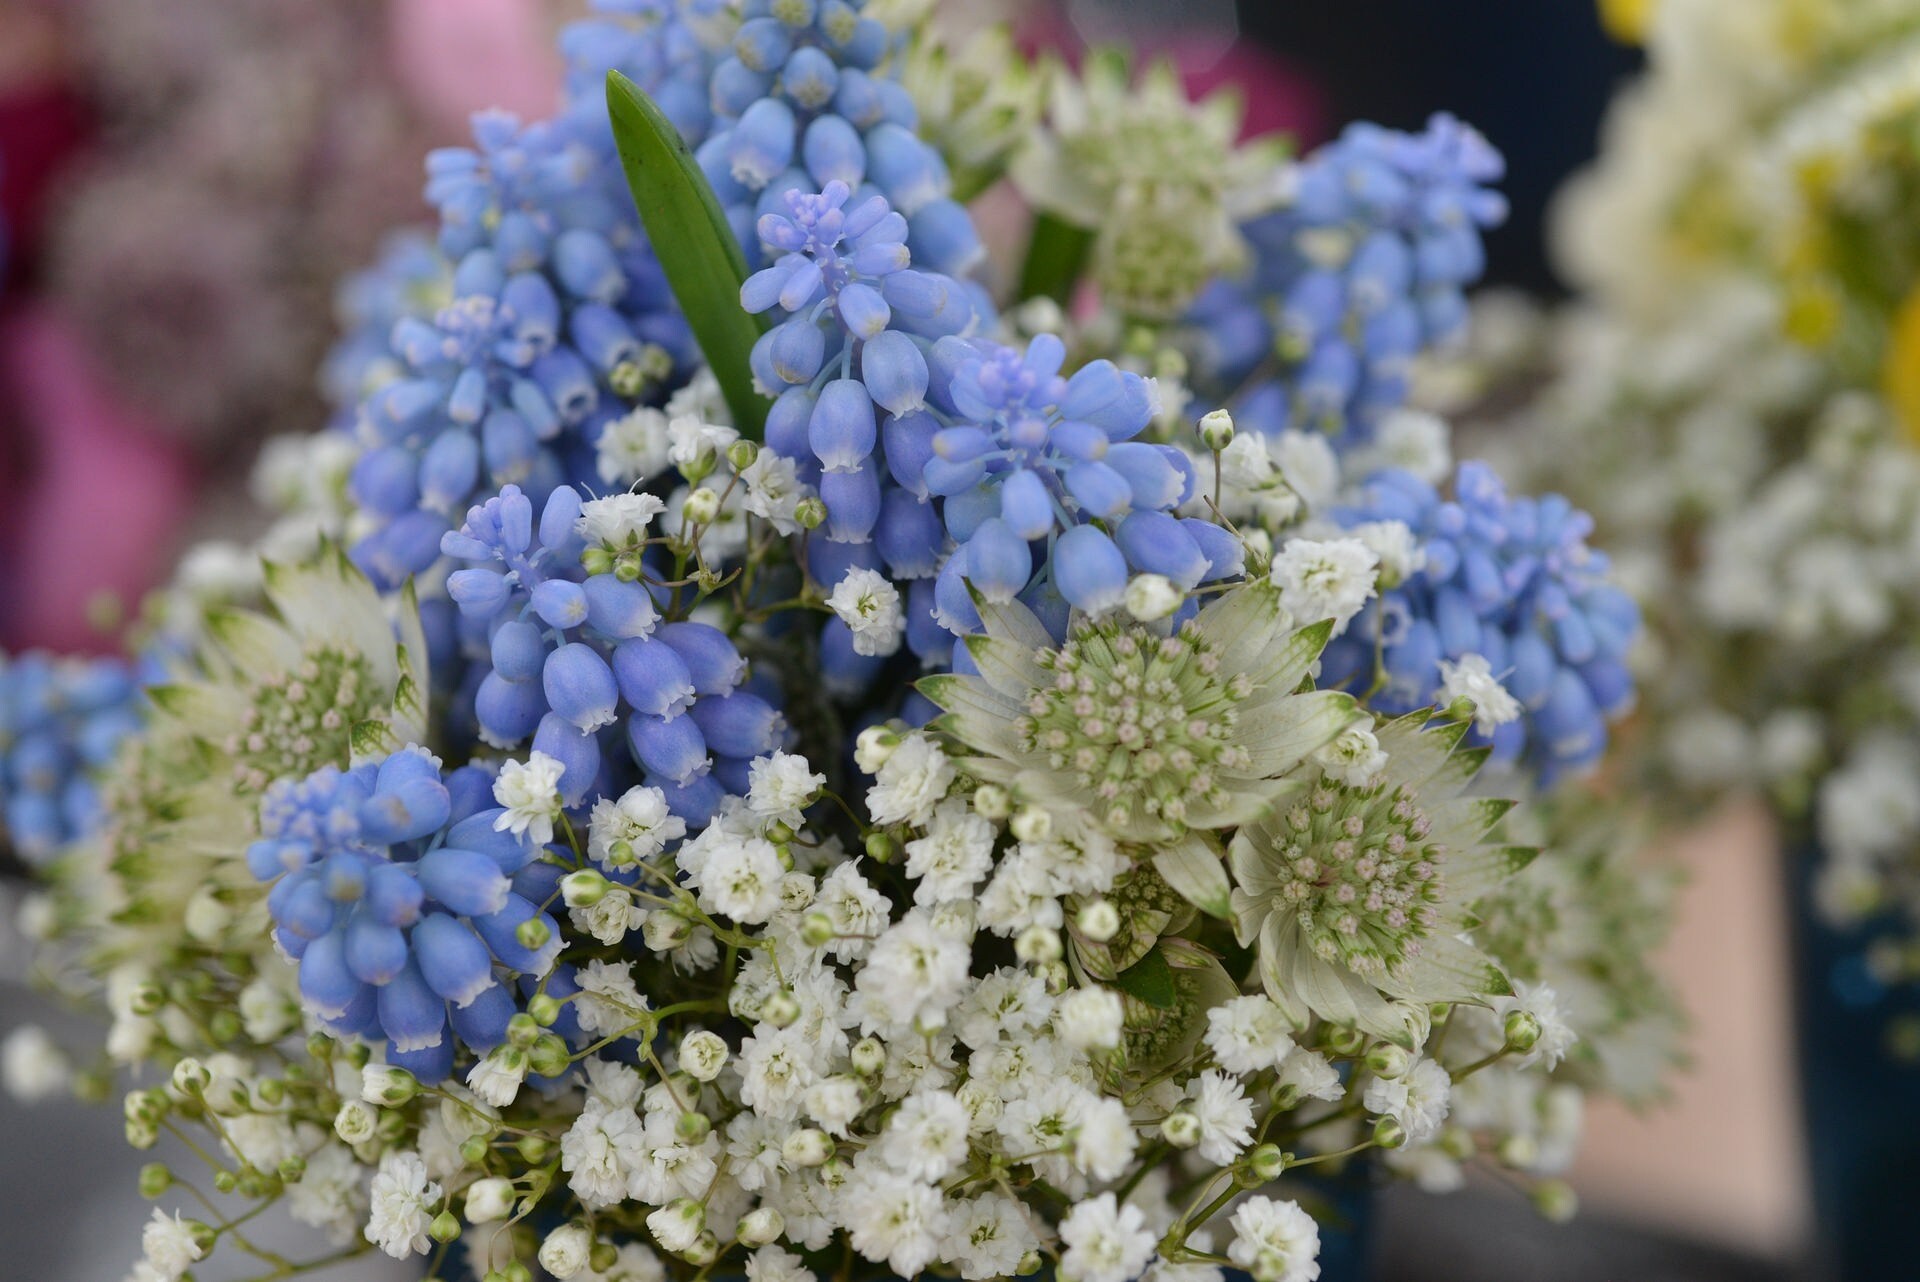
1225,1116
403,1198
529,792
564,1252
1325,580
910,782
632,829
1105,1242
1248,1034
1275,1241
32,1066
169,1245
870,607
1418,1099
1471,678
781,786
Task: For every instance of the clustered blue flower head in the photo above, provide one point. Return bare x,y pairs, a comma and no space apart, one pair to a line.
405,905
579,661
800,103
60,720
1513,580
558,318
1365,268
409,278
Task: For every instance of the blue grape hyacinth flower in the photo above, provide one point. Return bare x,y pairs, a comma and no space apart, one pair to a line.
61,720
1510,579
409,910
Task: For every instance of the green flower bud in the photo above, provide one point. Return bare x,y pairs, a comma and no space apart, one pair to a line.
702,506
1181,1129
1098,921
881,847
1523,1031
225,1181
1216,429
292,1168
147,999
704,1251
155,1179
1556,1200
1032,824
990,801
741,454
807,1147
190,1077
1387,1060
533,934
1388,1133
628,569
549,1056
597,560
810,513
1519,1151
1029,1264
444,1228
583,889
534,1148
817,930
780,1009
224,1027
1266,1161
1038,945
474,1149
522,1029
545,1008
693,1127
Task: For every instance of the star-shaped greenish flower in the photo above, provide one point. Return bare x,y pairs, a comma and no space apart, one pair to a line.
1358,898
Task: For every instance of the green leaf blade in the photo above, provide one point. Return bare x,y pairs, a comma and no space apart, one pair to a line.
693,241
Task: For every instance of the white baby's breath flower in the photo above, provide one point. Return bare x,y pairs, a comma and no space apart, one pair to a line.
633,447
168,1245
1224,1113
954,855
1089,1018
781,786
910,782
1394,543
618,519
868,603
1471,678
1354,757
1329,579
1105,1242
1418,1099
496,1078
927,1136
774,490
691,439
530,791
32,1067
893,1219
1556,1037
609,1001
1248,1034
1275,1241
633,829
403,1203
1309,1073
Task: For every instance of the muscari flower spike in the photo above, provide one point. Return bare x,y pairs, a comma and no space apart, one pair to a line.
407,907
61,721
1357,898
1363,270
555,319
1508,579
574,659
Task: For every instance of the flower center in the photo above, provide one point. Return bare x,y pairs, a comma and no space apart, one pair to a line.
301,720
1138,720
1360,875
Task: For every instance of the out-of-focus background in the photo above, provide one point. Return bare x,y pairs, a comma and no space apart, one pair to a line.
184,182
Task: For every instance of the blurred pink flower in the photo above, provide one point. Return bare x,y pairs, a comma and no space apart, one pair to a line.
456,57
101,496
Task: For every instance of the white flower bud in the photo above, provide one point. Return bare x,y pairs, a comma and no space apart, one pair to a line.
1216,429
387,1085
665,931
190,1076
1151,596
488,1200
703,1054
584,888
807,1147
990,801
1032,824
780,1009
702,506
565,1251
760,1226
873,747
1098,921
355,1122
677,1225
1038,945
1181,1129
868,1056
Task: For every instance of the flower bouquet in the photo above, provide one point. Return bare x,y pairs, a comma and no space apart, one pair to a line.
757,744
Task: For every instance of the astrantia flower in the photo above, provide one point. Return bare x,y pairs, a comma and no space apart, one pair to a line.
1161,180
1356,897
1150,736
